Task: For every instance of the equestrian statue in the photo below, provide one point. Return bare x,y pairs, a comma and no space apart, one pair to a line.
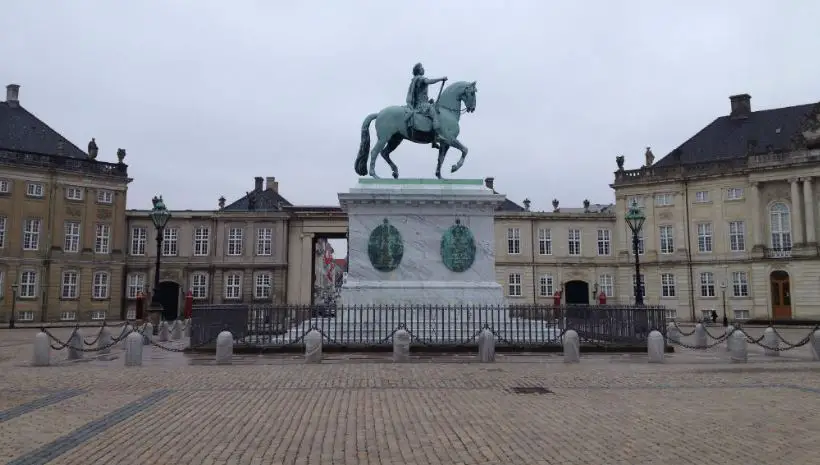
422,120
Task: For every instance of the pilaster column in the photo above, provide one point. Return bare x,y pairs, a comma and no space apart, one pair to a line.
757,223
809,209
797,216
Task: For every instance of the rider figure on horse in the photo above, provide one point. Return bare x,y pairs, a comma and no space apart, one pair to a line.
418,100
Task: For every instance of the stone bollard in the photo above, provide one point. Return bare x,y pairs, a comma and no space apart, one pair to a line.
730,331
572,347
104,341
814,345
673,333
224,348
176,331
401,346
163,332
486,346
187,332
700,336
133,349
147,333
75,345
313,347
655,347
42,350
739,352
125,332
770,339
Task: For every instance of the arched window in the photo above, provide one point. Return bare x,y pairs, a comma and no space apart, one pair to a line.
781,226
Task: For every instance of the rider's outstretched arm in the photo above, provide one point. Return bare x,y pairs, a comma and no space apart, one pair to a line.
433,81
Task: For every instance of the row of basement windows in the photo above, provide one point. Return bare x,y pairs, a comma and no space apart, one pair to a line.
37,190
70,315
262,289
202,241
69,284
546,285
780,225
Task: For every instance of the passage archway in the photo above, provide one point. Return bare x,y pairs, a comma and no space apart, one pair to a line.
781,294
168,295
576,292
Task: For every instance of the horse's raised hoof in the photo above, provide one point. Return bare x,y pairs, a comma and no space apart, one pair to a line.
453,169
438,174
395,175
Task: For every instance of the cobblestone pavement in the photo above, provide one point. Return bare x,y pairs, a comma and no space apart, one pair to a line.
609,409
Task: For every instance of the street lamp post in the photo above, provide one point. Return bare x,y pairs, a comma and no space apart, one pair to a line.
159,216
12,321
723,294
635,219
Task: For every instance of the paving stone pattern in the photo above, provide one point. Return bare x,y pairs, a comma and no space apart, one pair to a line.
609,409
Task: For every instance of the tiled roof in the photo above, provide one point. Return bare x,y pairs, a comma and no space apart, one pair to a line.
266,200
730,137
22,131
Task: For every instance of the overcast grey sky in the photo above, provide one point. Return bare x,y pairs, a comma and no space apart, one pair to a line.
205,95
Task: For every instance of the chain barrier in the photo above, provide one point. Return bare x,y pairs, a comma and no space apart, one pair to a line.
756,341
681,331
60,345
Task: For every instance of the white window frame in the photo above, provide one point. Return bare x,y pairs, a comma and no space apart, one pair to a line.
604,242
35,189
233,286
514,288
668,286
606,284
544,241
737,236
574,242
70,285
199,285
740,284
25,315
5,186
236,237
68,315
263,285
705,237
513,241
666,236
102,238
3,223
202,241
98,315
29,280
780,225
32,227
101,285
707,284
135,284
139,241
105,196
641,244
702,197
71,236
665,199
170,242
747,314
734,193
74,193
264,242
546,285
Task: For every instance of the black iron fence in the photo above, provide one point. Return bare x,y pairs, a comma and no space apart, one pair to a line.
279,326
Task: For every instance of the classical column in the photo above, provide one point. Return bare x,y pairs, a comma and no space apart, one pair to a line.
797,216
757,223
809,209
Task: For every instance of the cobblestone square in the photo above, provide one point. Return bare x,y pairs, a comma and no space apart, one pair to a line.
610,409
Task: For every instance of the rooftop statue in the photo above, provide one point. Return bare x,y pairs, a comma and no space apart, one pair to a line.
422,120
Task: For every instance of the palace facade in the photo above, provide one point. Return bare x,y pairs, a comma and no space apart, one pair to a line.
731,224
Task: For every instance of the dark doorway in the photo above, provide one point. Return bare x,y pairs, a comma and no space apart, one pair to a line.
576,293
781,295
168,296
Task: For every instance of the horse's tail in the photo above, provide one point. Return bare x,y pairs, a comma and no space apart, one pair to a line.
364,147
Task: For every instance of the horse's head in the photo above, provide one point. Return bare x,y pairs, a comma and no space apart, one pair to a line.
458,92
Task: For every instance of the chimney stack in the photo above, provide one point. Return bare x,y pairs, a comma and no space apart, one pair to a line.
13,95
257,183
489,183
741,105
271,184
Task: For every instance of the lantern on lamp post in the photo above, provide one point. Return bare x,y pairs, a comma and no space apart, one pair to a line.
635,219
159,216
